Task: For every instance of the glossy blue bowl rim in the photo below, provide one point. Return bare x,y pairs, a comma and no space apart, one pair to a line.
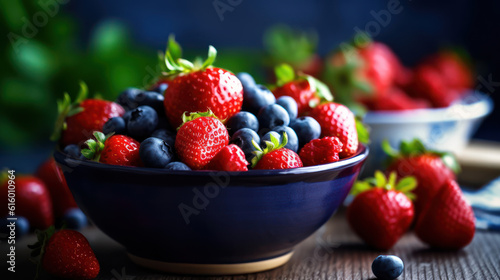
359,157
473,105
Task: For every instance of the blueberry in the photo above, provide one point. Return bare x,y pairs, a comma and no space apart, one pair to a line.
128,98
241,120
126,116
256,97
246,80
290,106
73,151
152,99
22,226
177,165
160,88
243,139
387,267
293,140
273,115
143,121
267,137
306,129
163,122
75,219
155,152
165,135
116,125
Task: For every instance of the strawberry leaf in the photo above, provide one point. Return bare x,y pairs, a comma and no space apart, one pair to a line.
321,89
406,184
212,54
66,108
450,161
363,131
380,179
272,145
174,48
284,74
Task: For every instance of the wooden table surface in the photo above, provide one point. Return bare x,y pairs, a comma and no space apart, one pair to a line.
333,252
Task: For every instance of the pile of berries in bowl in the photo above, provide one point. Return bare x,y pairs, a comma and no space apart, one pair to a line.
209,172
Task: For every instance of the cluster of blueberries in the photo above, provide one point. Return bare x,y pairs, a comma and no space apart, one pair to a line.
263,115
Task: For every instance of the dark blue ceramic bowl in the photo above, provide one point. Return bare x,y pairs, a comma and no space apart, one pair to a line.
169,219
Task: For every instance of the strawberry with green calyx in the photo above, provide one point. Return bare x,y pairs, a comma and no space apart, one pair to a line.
294,47
361,70
275,155
201,136
113,149
198,87
77,120
64,254
382,210
306,90
431,168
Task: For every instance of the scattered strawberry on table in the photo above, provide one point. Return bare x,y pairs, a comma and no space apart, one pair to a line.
382,210
65,254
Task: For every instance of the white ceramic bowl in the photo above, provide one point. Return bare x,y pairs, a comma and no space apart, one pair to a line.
446,129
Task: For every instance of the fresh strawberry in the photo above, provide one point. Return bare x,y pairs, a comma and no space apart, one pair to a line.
338,121
200,138
381,211
275,156
396,100
198,88
32,200
320,151
360,71
114,149
78,120
230,158
54,180
447,221
65,254
294,47
431,168
306,90
454,68
429,83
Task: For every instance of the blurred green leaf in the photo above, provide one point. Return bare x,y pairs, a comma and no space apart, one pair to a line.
34,60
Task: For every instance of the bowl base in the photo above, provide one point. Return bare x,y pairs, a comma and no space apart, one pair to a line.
212,269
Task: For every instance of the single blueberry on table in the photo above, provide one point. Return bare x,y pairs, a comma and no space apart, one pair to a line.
127,98
387,267
73,151
307,129
143,121
293,140
267,138
243,139
241,120
246,79
165,135
273,115
290,106
75,219
256,97
177,165
155,152
116,125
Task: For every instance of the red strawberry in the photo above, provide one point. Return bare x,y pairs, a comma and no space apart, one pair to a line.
78,120
275,156
396,100
320,151
454,68
200,138
66,254
431,169
32,200
198,88
54,180
381,211
230,158
359,72
429,83
114,149
338,121
447,221
306,90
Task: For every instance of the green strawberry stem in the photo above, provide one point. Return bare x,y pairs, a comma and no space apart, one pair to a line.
187,117
95,147
415,147
404,185
38,248
272,145
172,64
66,108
